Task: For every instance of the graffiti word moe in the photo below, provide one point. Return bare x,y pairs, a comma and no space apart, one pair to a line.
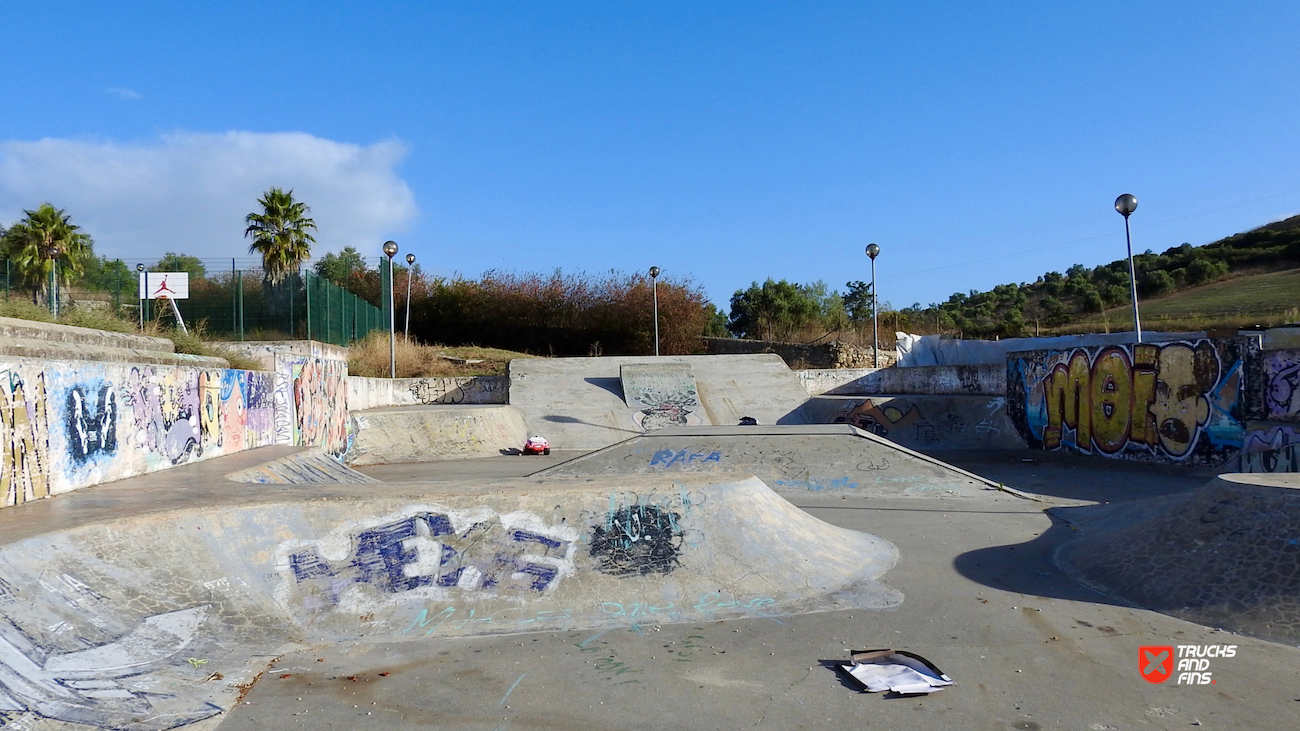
433,549
1157,398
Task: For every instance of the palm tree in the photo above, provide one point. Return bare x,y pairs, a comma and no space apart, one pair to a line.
32,242
280,234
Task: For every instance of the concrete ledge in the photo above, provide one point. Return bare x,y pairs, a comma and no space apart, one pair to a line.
61,350
960,380
429,433
11,327
376,393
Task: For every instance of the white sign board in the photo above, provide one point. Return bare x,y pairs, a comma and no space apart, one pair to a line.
173,285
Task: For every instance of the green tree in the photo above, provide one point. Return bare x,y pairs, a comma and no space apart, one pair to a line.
280,233
772,310
30,244
339,267
172,262
1155,283
857,301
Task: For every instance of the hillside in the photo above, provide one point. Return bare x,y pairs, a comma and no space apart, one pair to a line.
1267,299
1247,279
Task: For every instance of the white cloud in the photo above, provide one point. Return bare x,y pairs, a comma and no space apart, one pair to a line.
189,192
123,93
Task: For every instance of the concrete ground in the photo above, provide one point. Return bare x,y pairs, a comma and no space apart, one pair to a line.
1027,647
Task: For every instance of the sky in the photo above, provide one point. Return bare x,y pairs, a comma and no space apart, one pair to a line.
725,142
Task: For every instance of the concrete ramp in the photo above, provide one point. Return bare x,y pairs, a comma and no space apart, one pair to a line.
793,460
1224,555
928,423
429,433
664,393
306,468
579,403
157,620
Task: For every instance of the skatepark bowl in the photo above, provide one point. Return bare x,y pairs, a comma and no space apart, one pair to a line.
667,573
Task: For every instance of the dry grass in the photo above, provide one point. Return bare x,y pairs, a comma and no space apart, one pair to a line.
370,357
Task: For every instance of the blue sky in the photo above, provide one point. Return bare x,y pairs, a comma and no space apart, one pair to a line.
728,142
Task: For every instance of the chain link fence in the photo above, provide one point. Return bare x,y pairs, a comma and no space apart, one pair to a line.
229,299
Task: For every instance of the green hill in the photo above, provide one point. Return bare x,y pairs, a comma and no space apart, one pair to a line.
1265,299
1247,279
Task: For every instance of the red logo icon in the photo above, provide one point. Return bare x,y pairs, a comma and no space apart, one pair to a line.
1156,662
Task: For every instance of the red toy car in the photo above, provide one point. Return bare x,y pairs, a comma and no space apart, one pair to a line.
536,445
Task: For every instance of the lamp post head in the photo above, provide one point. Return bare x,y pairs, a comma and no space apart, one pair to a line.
873,251
410,259
390,249
1126,204
139,267
54,252
654,272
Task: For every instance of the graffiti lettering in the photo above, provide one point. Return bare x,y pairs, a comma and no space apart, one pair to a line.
1282,384
424,548
668,458
24,439
1167,400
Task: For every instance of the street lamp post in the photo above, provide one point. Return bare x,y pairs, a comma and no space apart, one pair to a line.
410,265
54,280
390,250
1126,204
654,288
139,275
873,251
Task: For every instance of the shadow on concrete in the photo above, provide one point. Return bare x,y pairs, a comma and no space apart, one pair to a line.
558,419
511,452
613,385
1030,568
1075,476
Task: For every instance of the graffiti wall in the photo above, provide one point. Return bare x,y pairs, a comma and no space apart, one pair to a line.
1184,401
374,393
1281,373
1271,447
311,403
67,425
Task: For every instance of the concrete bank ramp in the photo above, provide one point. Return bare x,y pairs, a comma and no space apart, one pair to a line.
306,468
931,423
1224,555
155,621
793,460
579,403
427,433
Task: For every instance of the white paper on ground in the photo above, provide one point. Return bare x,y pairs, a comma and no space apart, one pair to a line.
899,673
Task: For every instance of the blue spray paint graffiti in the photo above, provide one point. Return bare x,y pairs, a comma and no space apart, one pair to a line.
439,550
669,458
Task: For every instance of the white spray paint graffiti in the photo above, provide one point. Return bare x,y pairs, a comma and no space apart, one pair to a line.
107,686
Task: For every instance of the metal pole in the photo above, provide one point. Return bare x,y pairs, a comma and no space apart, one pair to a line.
408,304
875,335
306,288
240,285
54,305
392,324
655,288
1132,282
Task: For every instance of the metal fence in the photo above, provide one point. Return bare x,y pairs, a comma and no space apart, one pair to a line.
231,298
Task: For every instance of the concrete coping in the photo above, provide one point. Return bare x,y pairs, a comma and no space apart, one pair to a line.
1282,480
56,333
